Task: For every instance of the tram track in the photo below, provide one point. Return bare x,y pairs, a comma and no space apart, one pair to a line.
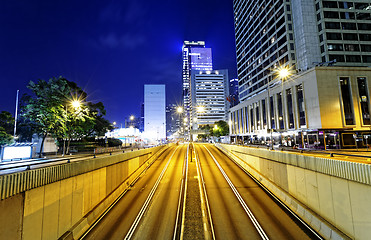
273,216
151,207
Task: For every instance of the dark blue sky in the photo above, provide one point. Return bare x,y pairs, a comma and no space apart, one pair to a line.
109,48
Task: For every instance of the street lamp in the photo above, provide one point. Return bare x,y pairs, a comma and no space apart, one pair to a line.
282,73
76,104
200,109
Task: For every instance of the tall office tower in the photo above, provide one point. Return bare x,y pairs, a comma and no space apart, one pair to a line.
195,57
141,123
233,92
323,100
172,120
301,34
343,30
154,112
264,41
209,92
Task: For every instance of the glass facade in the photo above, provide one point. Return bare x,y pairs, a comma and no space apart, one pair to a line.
290,113
280,111
257,116
252,119
263,32
364,100
344,30
264,113
247,119
271,107
346,96
300,102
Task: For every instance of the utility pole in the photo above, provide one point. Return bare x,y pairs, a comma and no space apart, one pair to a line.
16,114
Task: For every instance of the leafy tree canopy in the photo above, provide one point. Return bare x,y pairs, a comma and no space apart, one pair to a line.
7,122
221,129
6,128
59,107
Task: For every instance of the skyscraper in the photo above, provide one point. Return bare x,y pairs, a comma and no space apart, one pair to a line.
233,92
324,47
208,99
195,57
154,112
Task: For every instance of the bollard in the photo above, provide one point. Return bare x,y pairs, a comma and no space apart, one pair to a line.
301,151
131,149
123,151
69,160
110,153
331,154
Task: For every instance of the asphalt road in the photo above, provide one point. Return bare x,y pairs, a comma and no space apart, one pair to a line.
236,206
157,221
230,220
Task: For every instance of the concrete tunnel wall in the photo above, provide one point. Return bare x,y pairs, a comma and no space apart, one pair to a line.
50,210
330,195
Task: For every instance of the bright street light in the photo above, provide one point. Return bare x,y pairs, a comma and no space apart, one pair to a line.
76,104
132,117
179,109
216,127
283,72
200,109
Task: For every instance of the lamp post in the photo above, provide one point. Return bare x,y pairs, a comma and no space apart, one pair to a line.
283,73
76,105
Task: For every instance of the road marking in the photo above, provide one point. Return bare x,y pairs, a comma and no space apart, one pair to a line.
182,193
260,230
148,200
204,200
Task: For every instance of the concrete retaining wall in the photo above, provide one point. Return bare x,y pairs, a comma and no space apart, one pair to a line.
330,195
65,199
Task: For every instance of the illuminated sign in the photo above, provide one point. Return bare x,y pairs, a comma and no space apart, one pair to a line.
17,152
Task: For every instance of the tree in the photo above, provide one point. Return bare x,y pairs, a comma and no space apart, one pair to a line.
45,107
6,128
7,121
204,137
221,129
59,107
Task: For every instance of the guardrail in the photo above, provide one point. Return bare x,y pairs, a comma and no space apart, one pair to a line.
358,172
14,183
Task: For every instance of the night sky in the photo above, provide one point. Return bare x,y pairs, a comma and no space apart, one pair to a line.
109,48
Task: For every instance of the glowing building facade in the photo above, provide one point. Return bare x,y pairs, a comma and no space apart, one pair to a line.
195,57
154,112
326,47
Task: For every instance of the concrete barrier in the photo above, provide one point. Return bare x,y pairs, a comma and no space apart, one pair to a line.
64,200
332,196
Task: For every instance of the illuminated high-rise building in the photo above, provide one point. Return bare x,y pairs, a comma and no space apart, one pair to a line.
321,97
154,112
195,57
210,90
